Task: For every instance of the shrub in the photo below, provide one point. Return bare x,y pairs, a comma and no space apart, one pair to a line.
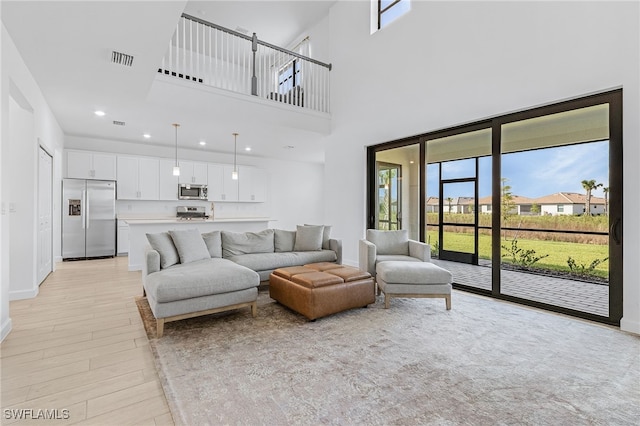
583,270
521,256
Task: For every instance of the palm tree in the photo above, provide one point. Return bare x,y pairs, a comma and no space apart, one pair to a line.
606,200
449,200
589,185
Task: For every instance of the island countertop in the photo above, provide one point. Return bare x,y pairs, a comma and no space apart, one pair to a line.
139,227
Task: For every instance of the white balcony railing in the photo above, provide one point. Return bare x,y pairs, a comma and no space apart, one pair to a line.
209,54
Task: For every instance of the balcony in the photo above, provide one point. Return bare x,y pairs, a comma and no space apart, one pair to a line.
208,54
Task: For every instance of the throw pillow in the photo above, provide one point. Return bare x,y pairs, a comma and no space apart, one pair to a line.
326,235
163,244
389,242
213,240
237,243
308,238
284,240
190,245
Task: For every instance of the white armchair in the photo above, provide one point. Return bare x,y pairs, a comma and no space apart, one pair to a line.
380,246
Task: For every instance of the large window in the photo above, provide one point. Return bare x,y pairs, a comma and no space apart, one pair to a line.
389,10
525,207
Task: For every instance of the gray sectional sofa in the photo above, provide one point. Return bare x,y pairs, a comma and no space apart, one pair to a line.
187,274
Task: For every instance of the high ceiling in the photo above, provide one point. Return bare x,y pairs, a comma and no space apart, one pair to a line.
276,22
67,47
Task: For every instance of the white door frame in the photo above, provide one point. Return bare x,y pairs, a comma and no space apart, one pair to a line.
45,214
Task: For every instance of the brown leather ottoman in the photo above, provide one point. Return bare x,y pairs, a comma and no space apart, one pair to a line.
320,289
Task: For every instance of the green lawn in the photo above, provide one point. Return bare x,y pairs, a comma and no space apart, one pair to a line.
558,251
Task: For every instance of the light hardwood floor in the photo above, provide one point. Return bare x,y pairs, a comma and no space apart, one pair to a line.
80,346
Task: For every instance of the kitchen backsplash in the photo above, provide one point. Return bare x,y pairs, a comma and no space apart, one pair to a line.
162,209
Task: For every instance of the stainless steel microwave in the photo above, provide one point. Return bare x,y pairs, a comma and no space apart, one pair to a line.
192,192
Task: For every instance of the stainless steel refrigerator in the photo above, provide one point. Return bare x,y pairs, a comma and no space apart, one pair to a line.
88,218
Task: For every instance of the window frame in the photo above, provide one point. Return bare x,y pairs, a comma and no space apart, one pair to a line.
615,212
386,9
295,76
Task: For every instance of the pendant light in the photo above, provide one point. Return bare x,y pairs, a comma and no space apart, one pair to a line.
176,168
234,173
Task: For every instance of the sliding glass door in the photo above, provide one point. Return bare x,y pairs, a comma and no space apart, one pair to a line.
556,246
525,207
457,182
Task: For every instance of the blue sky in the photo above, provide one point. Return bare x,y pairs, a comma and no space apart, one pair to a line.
536,173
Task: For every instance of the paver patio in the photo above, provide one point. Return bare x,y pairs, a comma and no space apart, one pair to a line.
578,295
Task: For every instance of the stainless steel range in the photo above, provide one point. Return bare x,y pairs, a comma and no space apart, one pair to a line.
191,213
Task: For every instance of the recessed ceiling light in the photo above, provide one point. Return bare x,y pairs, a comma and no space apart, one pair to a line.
248,148
99,113
146,135
203,143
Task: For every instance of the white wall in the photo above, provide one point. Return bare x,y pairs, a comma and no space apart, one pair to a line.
22,212
18,84
294,189
447,63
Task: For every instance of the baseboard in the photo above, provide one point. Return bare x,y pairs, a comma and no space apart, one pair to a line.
630,326
23,294
6,329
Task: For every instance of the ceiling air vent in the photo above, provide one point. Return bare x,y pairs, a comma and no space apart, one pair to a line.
121,58
118,123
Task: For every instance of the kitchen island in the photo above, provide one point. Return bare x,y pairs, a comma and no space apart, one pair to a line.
138,228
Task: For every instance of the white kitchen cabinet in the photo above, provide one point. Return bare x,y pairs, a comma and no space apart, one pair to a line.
123,238
168,182
252,184
138,178
193,172
91,165
220,186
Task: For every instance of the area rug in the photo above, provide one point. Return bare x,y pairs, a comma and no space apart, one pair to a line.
484,362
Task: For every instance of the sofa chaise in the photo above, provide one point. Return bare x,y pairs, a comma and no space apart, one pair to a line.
187,274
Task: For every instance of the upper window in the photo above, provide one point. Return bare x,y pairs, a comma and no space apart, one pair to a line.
389,10
289,76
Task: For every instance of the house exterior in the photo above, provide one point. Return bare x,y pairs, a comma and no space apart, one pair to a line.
521,205
432,204
560,203
569,203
